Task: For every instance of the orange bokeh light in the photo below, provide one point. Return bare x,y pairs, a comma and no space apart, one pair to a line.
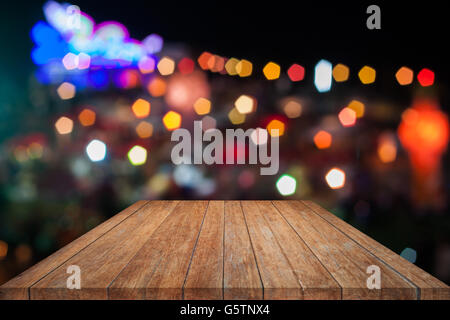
203,60
404,76
276,125
424,132
87,117
157,87
141,108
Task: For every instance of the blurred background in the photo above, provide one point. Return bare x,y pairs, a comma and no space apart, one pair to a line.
89,95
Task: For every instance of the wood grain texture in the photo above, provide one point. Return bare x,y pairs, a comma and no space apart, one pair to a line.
241,275
102,261
345,260
430,287
18,287
224,250
205,276
159,269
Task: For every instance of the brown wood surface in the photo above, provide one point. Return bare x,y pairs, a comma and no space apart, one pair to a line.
224,250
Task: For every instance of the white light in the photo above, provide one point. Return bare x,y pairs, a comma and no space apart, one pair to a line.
286,185
323,76
96,150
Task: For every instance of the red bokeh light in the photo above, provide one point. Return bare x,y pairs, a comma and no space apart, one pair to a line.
296,72
186,66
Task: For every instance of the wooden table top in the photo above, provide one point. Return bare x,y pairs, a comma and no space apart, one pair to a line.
224,250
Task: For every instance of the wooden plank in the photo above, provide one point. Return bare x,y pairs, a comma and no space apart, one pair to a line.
315,280
430,287
18,287
343,258
105,258
159,269
278,278
241,276
205,276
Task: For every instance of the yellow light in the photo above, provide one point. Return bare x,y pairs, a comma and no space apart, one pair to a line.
157,87
358,107
64,125
347,117
271,71
166,66
244,68
137,155
236,117
66,91
387,148
276,125
230,66
245,104
141,108
3,249
322,139
335,178
367,75
87,117
144,129
202,106
172,120
404,76
292,109
340,72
